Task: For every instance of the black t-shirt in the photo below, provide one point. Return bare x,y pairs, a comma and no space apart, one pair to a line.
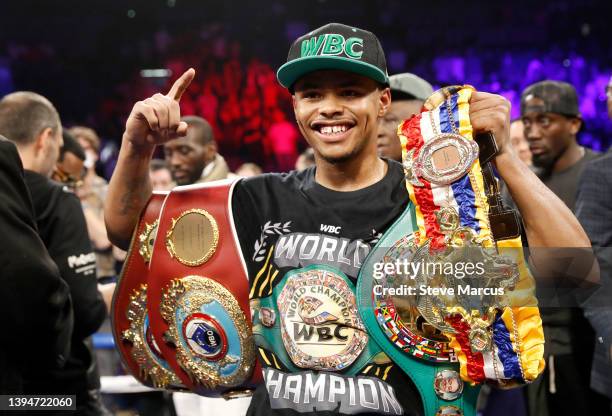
288,223
62,227
566,330
565,183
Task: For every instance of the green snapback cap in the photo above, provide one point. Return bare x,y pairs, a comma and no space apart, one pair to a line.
335,46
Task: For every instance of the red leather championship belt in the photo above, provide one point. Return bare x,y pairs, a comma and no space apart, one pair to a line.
137,348
198,293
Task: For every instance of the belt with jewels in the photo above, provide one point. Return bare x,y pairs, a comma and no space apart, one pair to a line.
314,312
186,281
451,328
137,348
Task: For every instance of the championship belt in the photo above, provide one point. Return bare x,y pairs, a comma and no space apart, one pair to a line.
199,293
450,328
137,347
311,322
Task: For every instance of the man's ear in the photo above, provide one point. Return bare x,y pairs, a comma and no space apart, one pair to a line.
210,151
575,124
297,120
40,142
385,101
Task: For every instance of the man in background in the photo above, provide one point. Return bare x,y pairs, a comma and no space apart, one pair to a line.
32,294
70,167
551,121
194,158
519,141
521,147
161,177
62,228
408,93
594,210
92,195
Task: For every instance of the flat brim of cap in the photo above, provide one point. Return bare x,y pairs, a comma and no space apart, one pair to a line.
293,70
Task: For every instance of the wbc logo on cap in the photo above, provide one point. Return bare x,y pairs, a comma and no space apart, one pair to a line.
332,44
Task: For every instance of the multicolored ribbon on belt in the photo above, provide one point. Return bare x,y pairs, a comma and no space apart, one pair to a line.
444,177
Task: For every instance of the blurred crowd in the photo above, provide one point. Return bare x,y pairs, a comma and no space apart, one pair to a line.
235,89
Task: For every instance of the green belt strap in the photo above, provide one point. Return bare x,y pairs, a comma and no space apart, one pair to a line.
421,372
270,338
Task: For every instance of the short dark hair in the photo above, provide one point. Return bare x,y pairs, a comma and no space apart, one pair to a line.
71,145
158,164
24,115
204,131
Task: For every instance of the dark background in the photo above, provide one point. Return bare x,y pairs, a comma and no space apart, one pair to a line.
86,56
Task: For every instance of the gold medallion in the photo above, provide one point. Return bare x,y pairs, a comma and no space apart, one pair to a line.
213,338
193,237
448,219
480,339
320,326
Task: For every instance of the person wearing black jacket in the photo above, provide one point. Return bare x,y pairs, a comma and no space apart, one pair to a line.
35,306
62,228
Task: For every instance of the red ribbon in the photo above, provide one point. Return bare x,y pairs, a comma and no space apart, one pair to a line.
475,362
411,129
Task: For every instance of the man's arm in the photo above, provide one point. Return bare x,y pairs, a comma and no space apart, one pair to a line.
548,221
152,121
128,192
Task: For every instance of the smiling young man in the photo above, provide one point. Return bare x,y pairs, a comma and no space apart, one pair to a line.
313,229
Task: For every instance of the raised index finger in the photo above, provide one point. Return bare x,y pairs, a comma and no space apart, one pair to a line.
181,84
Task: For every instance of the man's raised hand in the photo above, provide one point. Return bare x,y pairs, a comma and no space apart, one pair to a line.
491,113
157,119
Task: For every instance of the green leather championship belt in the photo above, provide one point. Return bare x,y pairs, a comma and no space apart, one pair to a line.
446,292
309,309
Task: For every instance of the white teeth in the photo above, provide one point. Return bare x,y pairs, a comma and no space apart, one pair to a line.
333,129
